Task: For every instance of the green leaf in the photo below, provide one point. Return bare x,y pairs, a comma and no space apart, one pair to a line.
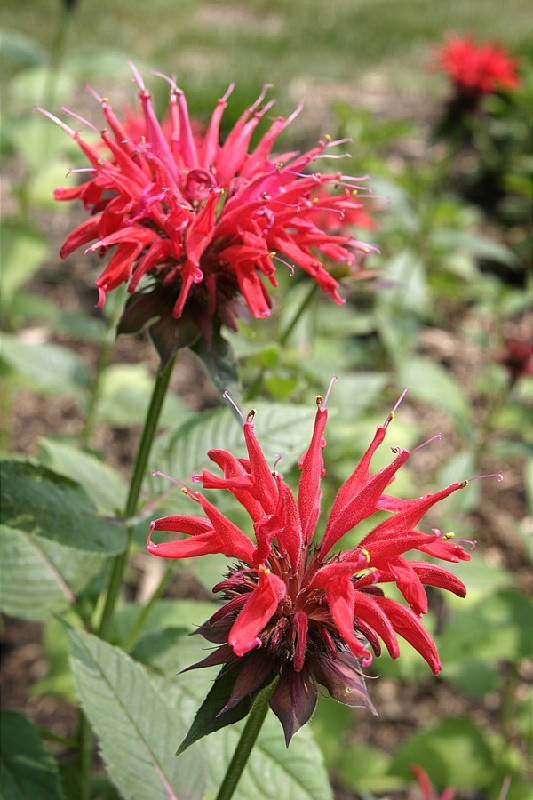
38,501
186,614
136,728
221,364
125,394
454,752
105,487
208,718
352,394
431,383
21,49
41,577
22,251
273,771
27,770
53,369
58,679
281,429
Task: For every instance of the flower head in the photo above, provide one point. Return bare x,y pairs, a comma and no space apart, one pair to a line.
477,69
194,224
293,606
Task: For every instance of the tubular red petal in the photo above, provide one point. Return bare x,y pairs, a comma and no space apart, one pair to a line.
265,483
368,610
407,625
309,493
261,605
362,504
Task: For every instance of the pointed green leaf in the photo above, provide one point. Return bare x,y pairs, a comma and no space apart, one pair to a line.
431,383
136,728
38,501
281,429
103,484
221,364
51,368
207,719
27,770
41,577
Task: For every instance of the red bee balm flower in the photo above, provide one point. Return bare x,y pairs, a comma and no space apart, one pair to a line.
294,608
477,68
203,220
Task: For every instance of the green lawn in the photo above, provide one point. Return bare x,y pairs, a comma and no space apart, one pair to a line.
297,45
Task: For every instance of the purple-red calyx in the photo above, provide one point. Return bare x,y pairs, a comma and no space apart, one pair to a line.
196,224
293,606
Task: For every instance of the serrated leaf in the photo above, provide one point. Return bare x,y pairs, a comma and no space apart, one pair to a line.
51,368
431,383
273,770
38,501
221,364
281,429
27,770
136,728
105,487
41,577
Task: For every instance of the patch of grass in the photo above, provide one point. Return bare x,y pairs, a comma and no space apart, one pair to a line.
211,43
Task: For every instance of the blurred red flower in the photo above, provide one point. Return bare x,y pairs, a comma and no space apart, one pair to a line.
204,221
518,357
294,608
426,789
477,68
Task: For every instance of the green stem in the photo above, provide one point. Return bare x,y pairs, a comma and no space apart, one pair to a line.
145,445
284,338
85,755
104,359
246,742
143,616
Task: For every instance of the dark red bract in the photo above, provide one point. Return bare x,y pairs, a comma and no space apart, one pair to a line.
295,608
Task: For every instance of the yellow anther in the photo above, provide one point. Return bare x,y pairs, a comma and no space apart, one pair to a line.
448,535
264,569
392,415
365,249
104,100
272,253
366,554
319,399
222,191
315,200
327,137
354,192
100,162
465,484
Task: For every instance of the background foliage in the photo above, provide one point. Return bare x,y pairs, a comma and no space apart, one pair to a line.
454,283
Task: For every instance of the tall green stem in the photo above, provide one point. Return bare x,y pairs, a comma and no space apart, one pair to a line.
85,755
145,445
244,747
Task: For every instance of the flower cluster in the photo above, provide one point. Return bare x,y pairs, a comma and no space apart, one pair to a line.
195,223
293,606
477,69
